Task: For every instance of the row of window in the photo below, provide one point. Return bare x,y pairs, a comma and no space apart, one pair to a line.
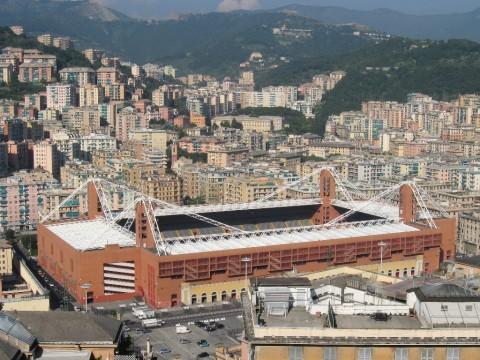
365,353
214,297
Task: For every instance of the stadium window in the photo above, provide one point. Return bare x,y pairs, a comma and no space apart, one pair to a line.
453,354
194,299
364,354
426,354
397,273
329,353
412,271
224,295
204,298
405,272
214,296
444,307
468,307
242,291
401,354
295,353
389,272
233,296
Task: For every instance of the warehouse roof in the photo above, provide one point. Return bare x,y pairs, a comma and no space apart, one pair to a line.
190,245
92,234
76,327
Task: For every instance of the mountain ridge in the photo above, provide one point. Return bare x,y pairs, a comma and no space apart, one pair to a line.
436,27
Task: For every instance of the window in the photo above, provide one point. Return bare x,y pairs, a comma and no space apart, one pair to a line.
194,299
426,354
214,296
234,294
453,354
224,295
364,354
401,354
329,353
444,307
468,307
295,353
204,298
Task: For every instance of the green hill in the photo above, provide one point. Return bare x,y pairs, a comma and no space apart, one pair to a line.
388,71
214,43
65,58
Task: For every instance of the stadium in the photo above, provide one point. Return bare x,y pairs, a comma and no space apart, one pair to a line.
156,250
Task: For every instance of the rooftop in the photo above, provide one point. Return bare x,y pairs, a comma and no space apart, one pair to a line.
91,234
60,326
198,244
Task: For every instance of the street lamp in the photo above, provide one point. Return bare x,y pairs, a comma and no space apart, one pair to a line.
85,287
246,260
382,246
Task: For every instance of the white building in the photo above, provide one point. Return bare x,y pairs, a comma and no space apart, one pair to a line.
60,96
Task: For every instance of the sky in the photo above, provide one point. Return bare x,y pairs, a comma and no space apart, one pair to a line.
168,8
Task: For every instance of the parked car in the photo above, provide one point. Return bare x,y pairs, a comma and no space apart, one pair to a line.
184,341
203,355
164,350
203,343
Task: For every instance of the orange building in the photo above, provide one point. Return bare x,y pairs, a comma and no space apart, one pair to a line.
211,244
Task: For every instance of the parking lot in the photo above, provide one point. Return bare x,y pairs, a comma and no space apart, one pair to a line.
166,338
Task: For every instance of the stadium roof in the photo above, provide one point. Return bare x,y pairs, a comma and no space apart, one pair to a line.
202,209
224,242
92,234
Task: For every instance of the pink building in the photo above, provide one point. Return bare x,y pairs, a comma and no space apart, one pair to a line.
20,197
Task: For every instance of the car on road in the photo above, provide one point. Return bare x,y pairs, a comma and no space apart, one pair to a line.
203,355
163,350
203,343
200,324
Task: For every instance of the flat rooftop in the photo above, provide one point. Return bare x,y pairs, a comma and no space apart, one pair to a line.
233,241
298,317
92,234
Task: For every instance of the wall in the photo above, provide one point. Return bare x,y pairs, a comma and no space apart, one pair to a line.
281,352
38,303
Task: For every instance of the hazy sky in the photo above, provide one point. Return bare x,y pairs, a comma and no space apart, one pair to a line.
165,8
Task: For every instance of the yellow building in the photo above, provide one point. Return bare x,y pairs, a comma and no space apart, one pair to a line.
212,292
6,258
225,157
247,189
162,187
150,139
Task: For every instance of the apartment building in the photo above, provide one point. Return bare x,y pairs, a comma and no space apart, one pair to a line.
6,71
20,196
62,43
108,76
85,120
6,258
468,238
128,119
36,71
89,95
60,96
72,209
45,39
47,157
93,55
226,157
150,139
163,187
96,142
79,76
248,189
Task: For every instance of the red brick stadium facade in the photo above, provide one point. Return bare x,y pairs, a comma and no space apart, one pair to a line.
158,278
